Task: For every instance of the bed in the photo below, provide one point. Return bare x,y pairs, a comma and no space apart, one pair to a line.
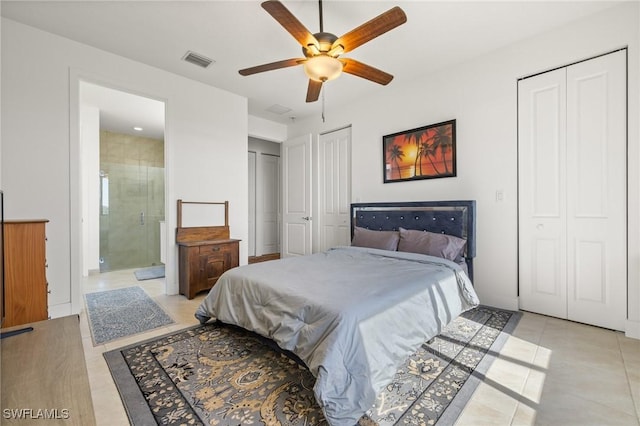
354,314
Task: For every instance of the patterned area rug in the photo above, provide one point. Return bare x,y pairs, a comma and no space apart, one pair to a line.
216,374
114,314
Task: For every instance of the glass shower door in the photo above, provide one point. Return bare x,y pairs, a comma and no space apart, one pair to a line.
132,207
153,213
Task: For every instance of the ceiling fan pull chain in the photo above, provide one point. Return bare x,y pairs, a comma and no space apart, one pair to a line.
324,89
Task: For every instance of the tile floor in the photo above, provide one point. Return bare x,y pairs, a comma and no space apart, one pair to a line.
550,371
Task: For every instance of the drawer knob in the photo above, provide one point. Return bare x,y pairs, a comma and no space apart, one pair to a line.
216,248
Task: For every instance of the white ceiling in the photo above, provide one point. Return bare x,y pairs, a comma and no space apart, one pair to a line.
120,112
240,34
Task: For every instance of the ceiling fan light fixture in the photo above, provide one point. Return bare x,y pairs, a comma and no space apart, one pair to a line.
322,49
322,68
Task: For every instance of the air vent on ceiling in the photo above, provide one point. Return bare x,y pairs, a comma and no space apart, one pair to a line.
197,59
278,109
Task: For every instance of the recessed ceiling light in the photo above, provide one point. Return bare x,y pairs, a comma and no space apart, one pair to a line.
138,129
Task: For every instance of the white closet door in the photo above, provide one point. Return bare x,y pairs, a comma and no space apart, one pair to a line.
572,192
596,200
252,203
270,204
542,193
296,196
334,189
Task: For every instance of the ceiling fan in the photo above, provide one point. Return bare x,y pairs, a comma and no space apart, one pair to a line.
322,49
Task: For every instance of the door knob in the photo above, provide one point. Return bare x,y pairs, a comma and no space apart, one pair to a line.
306,218
539,227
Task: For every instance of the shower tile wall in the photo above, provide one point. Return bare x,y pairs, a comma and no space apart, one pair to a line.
130,227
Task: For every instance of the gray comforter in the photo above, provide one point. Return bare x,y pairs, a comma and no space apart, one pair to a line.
353,315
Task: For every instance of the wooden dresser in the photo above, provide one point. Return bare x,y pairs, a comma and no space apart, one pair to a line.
44,375
205,252
202,263
25,264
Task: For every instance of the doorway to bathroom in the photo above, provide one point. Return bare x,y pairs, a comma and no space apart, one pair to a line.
122,137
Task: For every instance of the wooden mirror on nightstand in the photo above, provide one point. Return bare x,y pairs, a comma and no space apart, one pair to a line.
205,249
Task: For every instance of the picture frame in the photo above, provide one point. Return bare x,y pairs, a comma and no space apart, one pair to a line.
427,152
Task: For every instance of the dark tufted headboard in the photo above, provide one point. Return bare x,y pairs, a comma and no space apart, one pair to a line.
457,218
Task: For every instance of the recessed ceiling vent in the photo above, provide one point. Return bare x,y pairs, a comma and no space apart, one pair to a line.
197,59
278,109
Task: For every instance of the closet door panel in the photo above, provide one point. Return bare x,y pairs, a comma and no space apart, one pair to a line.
542,193
270,205
596,199
252,203
334,182
590,260
296,196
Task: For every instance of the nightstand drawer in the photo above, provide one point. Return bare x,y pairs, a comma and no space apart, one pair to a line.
215,248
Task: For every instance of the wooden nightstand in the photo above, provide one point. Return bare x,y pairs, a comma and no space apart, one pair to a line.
202,262
205,252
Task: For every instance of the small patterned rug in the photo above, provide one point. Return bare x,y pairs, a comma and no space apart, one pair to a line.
150,273
114,314
216,374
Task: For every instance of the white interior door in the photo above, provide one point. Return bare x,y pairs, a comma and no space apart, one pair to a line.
270,204
596,202
296,196
542,193
572,192
334,155
252,203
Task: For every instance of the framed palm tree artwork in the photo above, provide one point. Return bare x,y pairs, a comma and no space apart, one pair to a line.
427,152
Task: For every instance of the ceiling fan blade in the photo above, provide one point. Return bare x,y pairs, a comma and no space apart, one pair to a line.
272,66
290,23
351,66
313,92
371,29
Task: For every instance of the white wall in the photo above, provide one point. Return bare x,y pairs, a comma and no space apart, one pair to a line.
0,103
267,130
90,154
481,95
205,142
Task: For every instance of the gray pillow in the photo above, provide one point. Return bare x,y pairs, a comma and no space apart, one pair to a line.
385,240
433,244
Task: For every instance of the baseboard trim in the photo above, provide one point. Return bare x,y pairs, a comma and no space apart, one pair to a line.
61,310
264,258
632,329
501,302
